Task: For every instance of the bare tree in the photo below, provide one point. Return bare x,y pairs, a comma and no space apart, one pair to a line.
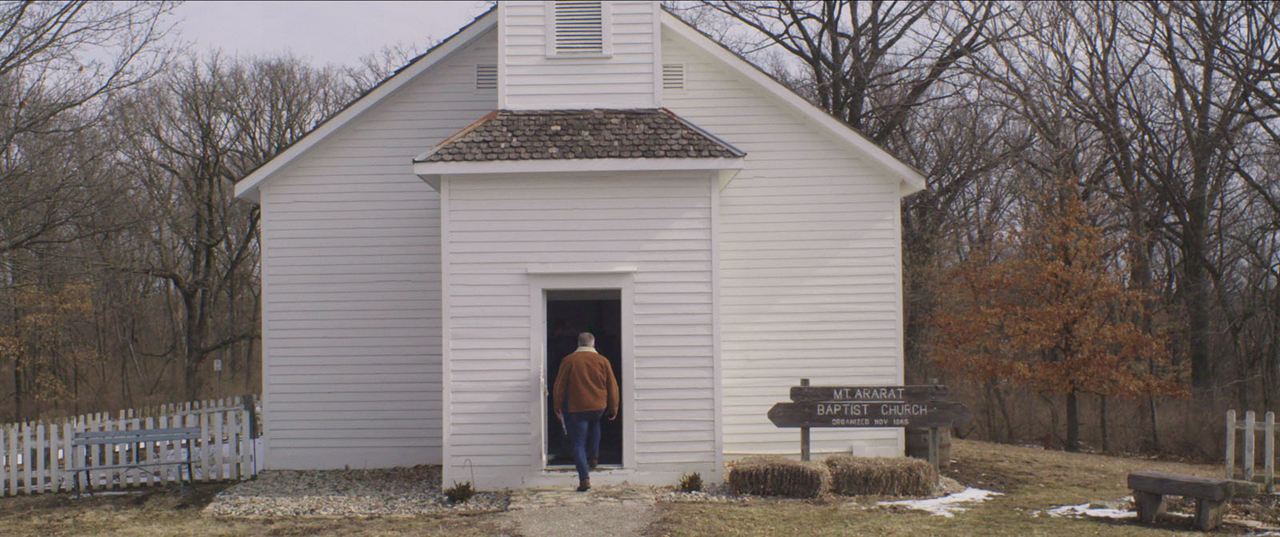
59,62
1204,117
870,63
187,139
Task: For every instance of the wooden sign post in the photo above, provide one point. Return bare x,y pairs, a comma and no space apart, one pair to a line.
804,433
915,407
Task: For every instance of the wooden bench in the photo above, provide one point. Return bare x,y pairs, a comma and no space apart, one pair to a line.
110,439
1212,495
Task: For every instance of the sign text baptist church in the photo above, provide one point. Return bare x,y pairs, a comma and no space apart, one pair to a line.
854,407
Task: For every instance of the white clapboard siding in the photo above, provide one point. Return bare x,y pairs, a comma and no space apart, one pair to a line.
809,261
351,294
534,76
489,310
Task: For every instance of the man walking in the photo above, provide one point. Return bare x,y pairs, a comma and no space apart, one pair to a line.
585,390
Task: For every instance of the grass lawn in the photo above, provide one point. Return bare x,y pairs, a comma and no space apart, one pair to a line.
1032,480
168,513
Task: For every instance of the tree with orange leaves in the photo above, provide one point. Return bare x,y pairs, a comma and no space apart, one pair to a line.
41,346
1051,314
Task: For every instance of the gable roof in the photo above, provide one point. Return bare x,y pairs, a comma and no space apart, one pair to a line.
579,134
912,179
247,187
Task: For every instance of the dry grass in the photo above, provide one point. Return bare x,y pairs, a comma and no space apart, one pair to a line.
1032,479
778,476
881,476
167,512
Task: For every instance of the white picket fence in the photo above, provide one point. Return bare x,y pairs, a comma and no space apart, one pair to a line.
37,457
1250,427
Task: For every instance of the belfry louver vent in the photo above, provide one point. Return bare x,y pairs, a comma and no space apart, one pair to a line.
486,77
673,76
578,27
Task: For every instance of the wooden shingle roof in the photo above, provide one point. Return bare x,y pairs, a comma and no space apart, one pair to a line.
579,134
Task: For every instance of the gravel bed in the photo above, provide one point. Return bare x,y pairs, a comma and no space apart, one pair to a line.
347,493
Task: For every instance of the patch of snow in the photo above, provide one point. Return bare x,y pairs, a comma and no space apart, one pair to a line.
945,506
1088,510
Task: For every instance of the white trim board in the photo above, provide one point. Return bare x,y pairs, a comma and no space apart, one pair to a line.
431,172
715,186
247,188
447,471
539,284
578,268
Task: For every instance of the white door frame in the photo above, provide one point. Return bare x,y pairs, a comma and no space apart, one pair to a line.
545,279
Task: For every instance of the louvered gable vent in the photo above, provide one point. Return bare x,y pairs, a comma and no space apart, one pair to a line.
486,77
578,27
673,76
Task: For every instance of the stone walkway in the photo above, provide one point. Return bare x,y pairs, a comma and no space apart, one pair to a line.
604,511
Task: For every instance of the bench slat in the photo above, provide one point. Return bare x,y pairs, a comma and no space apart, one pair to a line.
122,466
1184,485
123,437
169,431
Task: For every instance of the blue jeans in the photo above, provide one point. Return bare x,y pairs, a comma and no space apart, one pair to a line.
584,436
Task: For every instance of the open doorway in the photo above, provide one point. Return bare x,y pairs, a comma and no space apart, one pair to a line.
568,313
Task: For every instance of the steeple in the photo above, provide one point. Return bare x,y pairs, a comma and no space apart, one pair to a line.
577,54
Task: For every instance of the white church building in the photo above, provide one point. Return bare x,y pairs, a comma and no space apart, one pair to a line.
429,253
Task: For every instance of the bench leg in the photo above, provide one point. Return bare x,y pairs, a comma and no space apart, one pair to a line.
1150,506
1209,514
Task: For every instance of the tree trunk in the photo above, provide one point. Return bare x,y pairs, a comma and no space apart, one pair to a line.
1102,423
249,364
1155,427
1196,298
1271,362
916,295
1004,412
17,390
1073,422
17,360
190,362
990,407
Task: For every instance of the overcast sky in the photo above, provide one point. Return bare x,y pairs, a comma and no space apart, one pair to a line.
322,32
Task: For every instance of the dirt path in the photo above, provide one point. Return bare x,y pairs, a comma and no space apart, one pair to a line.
621,512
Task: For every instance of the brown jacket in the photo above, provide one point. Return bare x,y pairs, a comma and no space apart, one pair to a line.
587,380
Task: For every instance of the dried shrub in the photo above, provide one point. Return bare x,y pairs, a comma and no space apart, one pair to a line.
778,476
691,482
460,492
881,476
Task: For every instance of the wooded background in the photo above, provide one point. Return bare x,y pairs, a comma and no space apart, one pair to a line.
1095,264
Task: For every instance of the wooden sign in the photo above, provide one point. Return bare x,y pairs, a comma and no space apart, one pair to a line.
868,406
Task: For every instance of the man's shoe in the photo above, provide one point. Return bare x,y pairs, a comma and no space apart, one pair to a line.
592,463
584,485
